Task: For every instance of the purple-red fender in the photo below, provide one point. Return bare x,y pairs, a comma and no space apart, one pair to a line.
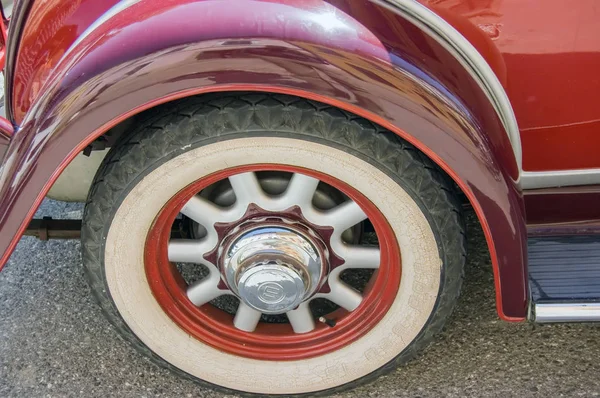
355,55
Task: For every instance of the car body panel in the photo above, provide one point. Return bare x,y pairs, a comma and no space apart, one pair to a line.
564,210
391,73
551,52
51,28
547,64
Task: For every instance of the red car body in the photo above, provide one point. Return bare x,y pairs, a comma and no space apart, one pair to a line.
455,78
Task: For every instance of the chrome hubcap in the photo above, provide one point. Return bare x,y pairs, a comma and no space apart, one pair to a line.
272,269
271,288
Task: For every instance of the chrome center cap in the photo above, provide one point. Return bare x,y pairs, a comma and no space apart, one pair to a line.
271,288
272,269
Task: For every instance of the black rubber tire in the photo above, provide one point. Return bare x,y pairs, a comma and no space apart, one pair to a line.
167,131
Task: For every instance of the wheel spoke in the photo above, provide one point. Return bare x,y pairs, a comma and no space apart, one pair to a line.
188,250
247,189
343,216
343,295
203,212
205,290
300,190
359,256
246,318
301,319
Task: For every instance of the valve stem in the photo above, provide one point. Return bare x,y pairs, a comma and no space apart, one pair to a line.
328,322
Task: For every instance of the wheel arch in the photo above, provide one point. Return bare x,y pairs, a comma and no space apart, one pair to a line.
461,134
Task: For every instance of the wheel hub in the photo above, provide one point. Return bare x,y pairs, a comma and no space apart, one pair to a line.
272,268
310,245
271,288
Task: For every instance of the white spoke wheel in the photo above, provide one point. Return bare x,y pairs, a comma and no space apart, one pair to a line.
300,243
278,205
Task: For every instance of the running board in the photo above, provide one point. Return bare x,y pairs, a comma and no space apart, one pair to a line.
564,276
566,312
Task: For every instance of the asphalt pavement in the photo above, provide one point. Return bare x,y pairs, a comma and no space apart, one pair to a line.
54,341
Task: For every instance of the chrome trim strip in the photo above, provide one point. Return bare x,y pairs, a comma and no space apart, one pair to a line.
566,312
469,57
559,178
109,14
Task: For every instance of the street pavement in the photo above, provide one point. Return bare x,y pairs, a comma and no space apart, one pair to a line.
54,341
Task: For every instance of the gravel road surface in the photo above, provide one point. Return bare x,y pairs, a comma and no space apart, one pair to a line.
54,341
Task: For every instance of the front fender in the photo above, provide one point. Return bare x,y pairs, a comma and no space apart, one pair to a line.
358,56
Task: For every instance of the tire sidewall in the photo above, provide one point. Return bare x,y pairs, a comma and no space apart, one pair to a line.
375,349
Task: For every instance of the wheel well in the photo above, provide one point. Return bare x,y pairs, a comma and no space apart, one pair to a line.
88,161
121,131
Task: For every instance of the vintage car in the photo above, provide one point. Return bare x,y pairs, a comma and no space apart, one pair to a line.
274,190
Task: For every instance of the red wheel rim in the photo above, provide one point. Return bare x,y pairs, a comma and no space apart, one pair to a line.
269,341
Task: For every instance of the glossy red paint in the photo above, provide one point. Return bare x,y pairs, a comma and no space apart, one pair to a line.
269,341
3,41
548,64
370,62
551,55
17,21
563,211
51,28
